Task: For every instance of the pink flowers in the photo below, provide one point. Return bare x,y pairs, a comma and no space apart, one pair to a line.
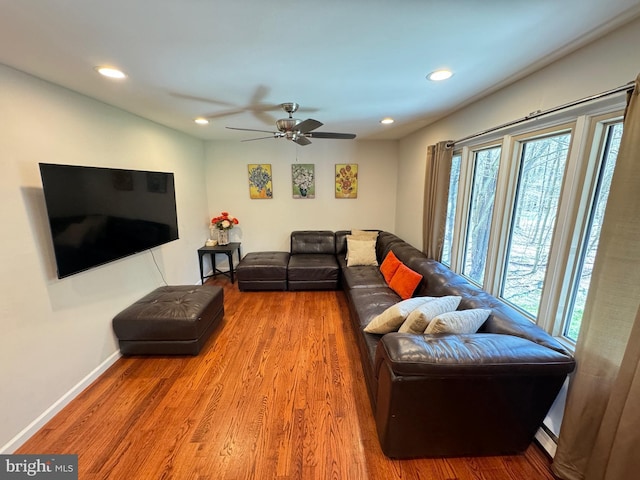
224,221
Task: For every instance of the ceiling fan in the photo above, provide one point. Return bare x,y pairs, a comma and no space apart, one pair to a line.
296,130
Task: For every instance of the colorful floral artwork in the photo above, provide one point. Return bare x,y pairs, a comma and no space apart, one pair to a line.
260,180
303,180
346,180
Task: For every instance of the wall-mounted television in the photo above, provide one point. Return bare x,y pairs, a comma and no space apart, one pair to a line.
98,215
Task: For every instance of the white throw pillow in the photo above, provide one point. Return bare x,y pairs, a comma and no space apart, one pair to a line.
361,252
460,321
418,320
392,317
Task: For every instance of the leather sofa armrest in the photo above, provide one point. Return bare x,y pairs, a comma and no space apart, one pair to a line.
474,354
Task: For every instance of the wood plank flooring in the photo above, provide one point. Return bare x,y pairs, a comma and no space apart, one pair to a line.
277,393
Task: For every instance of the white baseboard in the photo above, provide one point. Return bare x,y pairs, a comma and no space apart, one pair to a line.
62,402
546,442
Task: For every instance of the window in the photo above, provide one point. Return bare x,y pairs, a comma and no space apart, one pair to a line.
525,214
594,225
483,191
452,201
541,171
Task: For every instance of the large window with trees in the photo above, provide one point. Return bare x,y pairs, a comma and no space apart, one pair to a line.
541,171
452,201
610,143
483,192
525,213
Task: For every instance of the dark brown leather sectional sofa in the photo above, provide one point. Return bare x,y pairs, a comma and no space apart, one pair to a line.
485,393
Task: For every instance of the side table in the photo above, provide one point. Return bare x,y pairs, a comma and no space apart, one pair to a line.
211,251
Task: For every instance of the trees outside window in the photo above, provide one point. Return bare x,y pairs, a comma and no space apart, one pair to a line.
542,166
483,193
611,143
538,253
452,202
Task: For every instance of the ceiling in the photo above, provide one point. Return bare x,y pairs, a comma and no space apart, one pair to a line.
348,63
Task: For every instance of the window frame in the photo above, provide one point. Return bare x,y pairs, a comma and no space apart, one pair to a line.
588,128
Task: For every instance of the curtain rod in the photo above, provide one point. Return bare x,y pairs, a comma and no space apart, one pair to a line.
539,113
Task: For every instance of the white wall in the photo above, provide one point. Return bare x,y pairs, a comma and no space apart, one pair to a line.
56,332
605,64
265,224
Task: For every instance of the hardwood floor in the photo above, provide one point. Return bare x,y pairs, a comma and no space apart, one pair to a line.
277,393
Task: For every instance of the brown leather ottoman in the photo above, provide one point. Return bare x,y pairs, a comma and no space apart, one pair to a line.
172,320
263,271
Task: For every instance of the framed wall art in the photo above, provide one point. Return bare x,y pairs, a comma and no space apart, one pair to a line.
346,180
260,180
303,180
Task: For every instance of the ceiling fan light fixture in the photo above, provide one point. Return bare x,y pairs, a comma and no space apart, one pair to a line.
440,75
201,121
110,72
387,121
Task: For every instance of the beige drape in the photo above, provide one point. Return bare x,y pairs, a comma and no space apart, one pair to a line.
600,434
436,193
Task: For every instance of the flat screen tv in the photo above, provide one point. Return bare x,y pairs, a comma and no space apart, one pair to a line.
98,215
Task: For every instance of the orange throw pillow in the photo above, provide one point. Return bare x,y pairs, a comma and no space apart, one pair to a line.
389,266
405,281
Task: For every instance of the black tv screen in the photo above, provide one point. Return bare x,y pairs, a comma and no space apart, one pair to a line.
98,215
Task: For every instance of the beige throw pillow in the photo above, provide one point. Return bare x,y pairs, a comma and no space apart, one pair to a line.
460,321
418,320
389,320
361,252
364,234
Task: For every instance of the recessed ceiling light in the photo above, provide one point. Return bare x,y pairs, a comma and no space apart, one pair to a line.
201,121
387,121
440,75
110,72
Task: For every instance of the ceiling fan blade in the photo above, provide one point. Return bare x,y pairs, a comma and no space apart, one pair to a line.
258,138
225,113
339,136
308,125
302,140
252,130
263,116
201,99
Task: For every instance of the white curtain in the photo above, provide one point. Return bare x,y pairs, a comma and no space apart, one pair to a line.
600,435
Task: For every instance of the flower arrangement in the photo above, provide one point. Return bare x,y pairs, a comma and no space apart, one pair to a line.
224,221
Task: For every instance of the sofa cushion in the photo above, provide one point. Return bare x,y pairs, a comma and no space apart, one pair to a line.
361,251
405,281
418,320
313,241
367,303
394,316
362,276
310,267
459,322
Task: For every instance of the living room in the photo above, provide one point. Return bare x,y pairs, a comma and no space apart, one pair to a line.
57,334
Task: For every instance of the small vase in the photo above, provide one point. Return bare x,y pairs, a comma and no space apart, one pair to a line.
303,192
223,237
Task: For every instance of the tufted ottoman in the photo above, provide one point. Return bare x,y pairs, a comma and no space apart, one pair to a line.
172,320
263,271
